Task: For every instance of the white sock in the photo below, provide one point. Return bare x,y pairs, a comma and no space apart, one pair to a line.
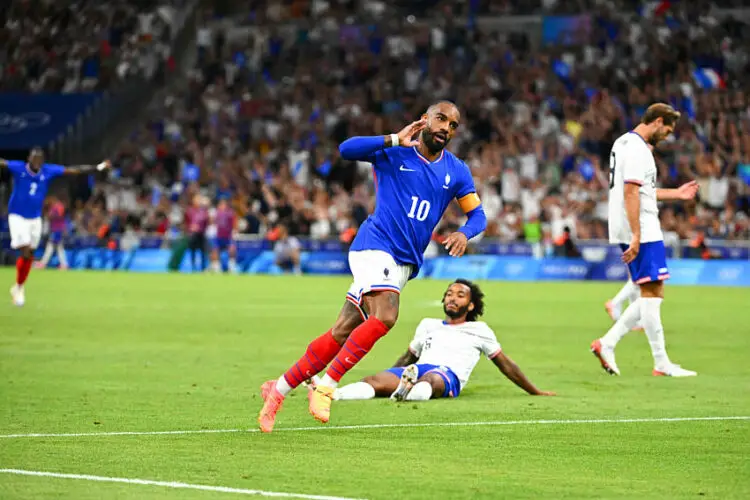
48,251
635,293
283,386
623,325
232,265
651,317
327,381
357,390
422,391
215,266
626,292
61,255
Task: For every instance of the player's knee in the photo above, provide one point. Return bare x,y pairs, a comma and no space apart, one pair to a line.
343,328
381,388
388,317
386,309
340,334
437,383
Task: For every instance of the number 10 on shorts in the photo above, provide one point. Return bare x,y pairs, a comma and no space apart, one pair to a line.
419,209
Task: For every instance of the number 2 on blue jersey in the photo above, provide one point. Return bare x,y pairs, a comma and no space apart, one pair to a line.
32,188
419,212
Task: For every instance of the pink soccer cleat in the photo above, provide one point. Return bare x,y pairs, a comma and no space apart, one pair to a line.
266,389
272,402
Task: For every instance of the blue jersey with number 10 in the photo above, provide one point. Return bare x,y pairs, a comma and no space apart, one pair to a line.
411,196
29,188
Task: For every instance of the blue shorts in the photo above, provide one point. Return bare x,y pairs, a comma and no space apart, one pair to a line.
650,264
55,237
222,244
452,384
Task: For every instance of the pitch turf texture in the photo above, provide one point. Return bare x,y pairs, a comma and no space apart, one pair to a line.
101,353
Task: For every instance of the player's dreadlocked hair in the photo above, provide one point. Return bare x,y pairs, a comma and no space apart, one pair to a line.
477,298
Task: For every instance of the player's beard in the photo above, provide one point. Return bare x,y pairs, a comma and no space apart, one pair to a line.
434,147
657,137
456,313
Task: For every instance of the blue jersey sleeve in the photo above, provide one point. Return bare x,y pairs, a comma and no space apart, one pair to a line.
53,170
362,148
16,166
465,182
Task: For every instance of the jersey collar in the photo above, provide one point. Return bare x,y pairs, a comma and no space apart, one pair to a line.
639,136
457,324
442,152
31,172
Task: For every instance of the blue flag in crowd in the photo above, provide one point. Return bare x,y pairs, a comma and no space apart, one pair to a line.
190,172
325,168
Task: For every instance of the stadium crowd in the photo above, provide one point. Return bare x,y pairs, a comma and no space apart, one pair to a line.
48,46
259,118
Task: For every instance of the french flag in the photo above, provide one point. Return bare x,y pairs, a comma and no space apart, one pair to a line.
708,78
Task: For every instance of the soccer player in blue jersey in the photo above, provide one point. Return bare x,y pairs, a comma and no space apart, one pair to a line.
31,179
415,180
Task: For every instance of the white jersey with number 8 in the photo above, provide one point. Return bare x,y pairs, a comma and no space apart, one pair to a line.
632,162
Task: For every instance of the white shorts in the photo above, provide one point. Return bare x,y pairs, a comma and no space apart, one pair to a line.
374,271
24,232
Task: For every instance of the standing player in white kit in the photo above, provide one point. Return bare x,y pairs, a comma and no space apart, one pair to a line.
634,225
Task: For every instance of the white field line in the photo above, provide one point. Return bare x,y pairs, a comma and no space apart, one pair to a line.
169,484
386,426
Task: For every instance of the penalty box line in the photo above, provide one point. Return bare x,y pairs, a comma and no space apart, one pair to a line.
387,426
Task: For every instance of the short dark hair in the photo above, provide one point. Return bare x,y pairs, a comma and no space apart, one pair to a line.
667,113
477,298
441,102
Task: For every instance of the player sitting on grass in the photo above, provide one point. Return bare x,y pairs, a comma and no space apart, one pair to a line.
442,355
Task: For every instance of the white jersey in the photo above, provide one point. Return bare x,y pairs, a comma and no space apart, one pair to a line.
632,162
456,346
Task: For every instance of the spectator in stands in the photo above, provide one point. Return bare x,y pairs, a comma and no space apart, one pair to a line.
82,46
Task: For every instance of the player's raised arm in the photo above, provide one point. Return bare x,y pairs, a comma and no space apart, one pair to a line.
15,166
471,205
362,148
511,370
87,169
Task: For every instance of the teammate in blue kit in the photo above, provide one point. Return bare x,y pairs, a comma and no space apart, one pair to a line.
415,181
634,225
31,179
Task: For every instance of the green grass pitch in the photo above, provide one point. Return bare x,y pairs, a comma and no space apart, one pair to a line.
109,352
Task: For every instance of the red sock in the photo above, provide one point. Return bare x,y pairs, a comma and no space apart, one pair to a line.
356,347
319,353
23,267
